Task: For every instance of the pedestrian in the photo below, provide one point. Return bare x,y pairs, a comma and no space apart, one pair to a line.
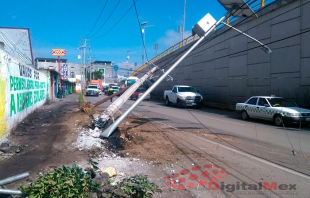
110,92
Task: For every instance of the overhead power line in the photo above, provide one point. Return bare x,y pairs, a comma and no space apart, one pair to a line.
97,18
116,22
106,19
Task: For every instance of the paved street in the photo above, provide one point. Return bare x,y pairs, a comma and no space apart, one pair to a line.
207,132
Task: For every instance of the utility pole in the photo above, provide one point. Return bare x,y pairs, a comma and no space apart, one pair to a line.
90,68
83,77
183,25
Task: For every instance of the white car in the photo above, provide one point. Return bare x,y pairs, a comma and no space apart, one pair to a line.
92,90
276,109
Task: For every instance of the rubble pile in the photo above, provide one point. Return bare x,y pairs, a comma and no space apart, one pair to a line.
88,139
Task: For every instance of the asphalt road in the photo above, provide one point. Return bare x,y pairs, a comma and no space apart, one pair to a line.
221,140
260,138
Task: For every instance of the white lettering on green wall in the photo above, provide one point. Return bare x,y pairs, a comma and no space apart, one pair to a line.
25,92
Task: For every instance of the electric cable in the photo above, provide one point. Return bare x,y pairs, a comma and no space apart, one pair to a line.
137,15
106,19
116,22
97,18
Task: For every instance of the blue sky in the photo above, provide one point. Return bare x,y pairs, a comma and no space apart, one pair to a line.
63,24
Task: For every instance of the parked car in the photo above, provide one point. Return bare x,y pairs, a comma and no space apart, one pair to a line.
183,95
138,93
92,90
276,109
98,87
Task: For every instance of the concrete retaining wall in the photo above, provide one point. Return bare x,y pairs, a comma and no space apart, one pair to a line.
229,67
22,90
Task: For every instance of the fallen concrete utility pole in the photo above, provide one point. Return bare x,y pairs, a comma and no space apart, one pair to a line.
109,97
113,126
107,115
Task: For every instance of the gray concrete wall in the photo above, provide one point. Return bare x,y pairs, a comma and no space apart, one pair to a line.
230,67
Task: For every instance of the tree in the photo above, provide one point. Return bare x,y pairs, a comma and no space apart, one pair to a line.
98,75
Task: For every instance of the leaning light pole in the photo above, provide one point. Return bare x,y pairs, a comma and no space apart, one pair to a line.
237,8
205,25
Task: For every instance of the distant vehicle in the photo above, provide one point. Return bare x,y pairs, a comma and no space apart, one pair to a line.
183,95
276,109
130,81
107,88
115,89
139,92
92,90
96,82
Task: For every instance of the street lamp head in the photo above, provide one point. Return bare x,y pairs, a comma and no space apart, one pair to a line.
144,23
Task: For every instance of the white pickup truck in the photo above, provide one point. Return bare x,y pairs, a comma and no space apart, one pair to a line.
182,96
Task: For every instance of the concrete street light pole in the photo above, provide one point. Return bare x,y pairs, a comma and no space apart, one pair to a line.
107,132
143,32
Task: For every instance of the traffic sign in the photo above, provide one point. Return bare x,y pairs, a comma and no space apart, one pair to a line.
102,70
115,67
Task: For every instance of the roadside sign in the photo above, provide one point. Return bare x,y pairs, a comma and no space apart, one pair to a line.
58,52
115,67
102,70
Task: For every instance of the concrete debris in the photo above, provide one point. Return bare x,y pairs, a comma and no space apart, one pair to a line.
110,170
88,139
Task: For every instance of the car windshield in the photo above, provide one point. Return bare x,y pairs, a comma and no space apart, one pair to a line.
115,87
186,89
281,102
140,90
93,87
131,82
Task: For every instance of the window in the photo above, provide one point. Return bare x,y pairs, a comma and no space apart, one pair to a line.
140,90
187,89
174,90
252,101
263,102
281,102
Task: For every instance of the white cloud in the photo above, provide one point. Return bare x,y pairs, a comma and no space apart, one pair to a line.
171,38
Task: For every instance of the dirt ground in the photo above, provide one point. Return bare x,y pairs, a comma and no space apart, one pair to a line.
44,140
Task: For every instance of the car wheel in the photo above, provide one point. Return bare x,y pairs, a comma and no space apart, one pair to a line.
278,121
179,104
244,115
167,101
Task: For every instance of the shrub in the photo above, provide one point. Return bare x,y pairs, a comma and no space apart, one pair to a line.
138,186
63,182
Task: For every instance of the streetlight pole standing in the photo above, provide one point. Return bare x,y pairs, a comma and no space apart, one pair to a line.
183,26
128,57
143,32
144,58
